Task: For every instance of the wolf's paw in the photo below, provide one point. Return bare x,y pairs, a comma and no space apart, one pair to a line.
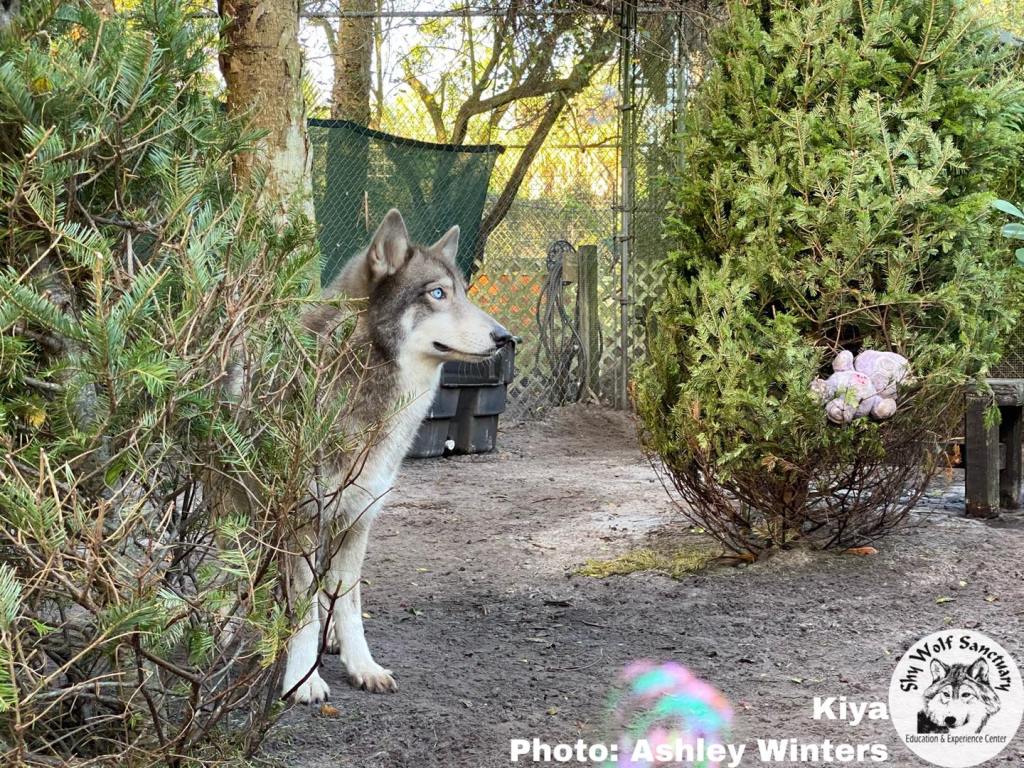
371,677
313,691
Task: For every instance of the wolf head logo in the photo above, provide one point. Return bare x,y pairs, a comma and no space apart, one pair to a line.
959,700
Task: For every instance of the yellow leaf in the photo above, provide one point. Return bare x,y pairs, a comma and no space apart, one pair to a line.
35,416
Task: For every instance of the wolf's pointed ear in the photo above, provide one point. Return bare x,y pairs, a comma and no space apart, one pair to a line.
449,243
389,247
939,670
979,671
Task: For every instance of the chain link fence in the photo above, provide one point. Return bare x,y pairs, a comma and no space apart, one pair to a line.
359,174
594,190
568,196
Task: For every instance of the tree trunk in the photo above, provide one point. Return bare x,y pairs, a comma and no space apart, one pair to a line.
262,66
350,94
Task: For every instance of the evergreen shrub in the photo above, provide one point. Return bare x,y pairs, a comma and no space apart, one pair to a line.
837,167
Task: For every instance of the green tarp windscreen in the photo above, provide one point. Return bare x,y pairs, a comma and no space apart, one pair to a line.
358,174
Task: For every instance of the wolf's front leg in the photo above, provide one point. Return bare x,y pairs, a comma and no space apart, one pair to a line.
301,677
344,606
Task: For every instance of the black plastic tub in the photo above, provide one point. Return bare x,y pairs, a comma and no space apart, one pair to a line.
464,415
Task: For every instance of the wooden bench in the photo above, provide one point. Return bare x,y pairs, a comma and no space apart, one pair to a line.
992,454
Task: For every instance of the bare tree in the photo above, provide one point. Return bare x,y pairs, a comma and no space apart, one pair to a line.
559,91
527,59
522,59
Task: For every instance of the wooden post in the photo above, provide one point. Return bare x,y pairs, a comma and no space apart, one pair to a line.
981,462
1010,476
590,324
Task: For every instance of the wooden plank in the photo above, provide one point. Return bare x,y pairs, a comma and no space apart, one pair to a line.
1010,476
981,470
590,324
1006,391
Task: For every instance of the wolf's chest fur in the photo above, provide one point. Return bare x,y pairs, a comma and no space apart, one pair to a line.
388,407
413,389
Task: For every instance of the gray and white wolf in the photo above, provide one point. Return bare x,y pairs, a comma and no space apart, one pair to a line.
960,699
417,316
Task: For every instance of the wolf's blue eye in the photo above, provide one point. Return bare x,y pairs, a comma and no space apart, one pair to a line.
437,293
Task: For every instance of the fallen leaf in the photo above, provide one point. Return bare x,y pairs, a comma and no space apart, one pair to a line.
862,551
329,710
40,85
991,599
35,416
553,711
941,600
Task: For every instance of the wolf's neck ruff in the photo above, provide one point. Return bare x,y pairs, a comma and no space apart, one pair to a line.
392,399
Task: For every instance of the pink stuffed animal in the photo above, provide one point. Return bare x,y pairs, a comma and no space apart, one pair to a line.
864,386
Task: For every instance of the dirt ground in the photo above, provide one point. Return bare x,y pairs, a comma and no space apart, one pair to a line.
474,603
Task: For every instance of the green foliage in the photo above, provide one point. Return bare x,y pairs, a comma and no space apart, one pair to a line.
1006,15
838,164
1014,230
136,282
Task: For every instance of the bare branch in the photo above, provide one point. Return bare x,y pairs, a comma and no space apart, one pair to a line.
568,87
425,95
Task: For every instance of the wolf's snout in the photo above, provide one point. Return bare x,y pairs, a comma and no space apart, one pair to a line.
950,721
501,337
